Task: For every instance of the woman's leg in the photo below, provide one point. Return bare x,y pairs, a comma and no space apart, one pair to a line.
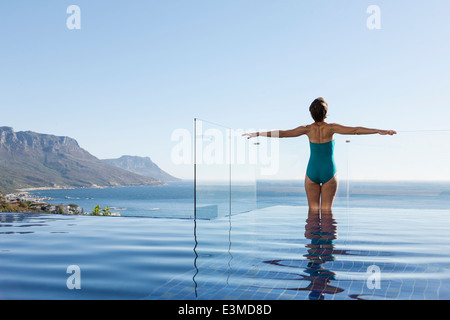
312,193
328,193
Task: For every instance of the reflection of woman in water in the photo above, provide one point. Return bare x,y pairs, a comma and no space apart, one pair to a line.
320,181
321,231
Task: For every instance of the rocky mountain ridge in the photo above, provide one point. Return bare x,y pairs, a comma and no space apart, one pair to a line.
141,165
34,160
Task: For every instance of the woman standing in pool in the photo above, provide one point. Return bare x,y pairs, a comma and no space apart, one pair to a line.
320,182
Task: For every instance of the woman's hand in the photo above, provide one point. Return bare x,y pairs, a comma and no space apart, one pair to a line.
251,135
389,132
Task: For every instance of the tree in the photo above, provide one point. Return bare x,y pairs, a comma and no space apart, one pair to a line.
97,211
101,212
106,211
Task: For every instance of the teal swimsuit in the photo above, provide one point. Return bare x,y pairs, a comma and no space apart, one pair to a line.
321,167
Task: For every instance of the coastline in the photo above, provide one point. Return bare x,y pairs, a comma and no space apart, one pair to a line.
158,183
44,188
23,202
58,188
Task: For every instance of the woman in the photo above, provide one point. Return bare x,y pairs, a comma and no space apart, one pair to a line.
320,182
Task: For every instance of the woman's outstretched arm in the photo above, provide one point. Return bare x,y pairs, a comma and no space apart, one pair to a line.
279,133
340,129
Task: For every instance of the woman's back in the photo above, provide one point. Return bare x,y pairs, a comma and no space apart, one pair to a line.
320,132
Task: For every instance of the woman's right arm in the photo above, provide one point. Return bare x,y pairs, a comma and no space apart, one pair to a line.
280,133
340,129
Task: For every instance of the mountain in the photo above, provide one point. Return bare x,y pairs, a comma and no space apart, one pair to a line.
30,160
141,165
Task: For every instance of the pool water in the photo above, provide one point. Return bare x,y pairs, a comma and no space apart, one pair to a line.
279,252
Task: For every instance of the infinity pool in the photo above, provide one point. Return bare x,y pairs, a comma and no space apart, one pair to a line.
279,252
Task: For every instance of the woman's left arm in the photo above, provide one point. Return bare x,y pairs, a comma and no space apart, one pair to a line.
340,129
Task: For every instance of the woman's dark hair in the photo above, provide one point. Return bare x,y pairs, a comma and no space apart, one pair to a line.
319,109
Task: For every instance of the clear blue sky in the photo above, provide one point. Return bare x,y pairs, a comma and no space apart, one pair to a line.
138,70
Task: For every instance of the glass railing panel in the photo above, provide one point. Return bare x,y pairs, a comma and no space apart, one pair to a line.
280,171
224,171
410,169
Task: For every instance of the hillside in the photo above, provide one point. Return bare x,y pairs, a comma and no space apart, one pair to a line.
33,160
141,165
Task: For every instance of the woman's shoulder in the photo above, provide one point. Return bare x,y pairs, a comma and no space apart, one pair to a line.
333,126
313,127
324,125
